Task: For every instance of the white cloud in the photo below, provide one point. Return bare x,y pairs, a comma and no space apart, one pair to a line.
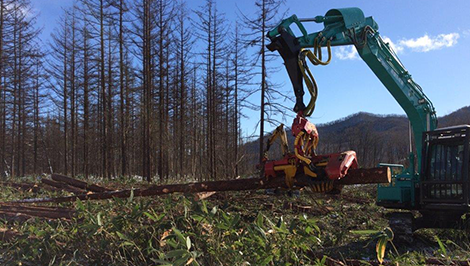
428,43
425,43
346,53
397,48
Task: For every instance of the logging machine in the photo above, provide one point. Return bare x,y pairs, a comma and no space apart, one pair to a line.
436,184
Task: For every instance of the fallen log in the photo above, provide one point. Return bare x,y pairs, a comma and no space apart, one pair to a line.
78,183
34,214
62,186
15,217
38,211
30,187
377,175
21,213
22,186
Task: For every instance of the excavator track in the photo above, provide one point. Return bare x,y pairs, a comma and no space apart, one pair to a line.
401,224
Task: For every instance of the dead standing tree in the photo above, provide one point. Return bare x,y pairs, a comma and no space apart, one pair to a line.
184,44
144,32
86,80
164,19
241,74
18,51
211,30
264,19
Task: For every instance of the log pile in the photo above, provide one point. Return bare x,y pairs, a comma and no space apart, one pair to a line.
355,176
72,185
18,211
78,183
62,186
21,213
29,187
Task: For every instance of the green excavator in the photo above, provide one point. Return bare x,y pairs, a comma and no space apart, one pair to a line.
435,184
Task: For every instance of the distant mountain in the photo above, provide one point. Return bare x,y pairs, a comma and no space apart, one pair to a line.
381,123
459,117
378,122
375,138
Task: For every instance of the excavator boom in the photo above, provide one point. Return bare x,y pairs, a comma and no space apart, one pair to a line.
440,187
348,26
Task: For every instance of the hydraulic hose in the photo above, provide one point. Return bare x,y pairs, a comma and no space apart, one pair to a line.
316,59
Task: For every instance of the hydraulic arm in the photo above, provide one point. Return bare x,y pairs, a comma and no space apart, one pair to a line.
348,26
438,188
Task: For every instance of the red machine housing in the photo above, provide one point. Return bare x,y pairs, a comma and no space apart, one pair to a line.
300,124
334,166
338,163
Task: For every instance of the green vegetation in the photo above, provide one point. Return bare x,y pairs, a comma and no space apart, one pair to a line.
243,228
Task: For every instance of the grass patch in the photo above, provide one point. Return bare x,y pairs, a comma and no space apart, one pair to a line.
240,228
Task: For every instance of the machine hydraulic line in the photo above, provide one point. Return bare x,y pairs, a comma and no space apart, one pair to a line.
346,26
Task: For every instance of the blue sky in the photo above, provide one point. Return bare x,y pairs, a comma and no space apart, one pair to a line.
432,38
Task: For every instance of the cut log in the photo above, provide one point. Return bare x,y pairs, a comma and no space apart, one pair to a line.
36,211
37,214
380,175
78,183
62,186
367,176
15,217
29,187
22,186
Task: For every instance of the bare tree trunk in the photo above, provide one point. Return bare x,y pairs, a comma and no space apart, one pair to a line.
161,103
122,91
235,62
214,110
21,109
182,96
166,118
72,97
129,129
104,137
194,127
86,101
227,163
64,104
263,83
109,119
15,99
36,119
147,84
2,91
210,88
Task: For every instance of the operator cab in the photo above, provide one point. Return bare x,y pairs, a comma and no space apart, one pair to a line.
445,174
442,191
